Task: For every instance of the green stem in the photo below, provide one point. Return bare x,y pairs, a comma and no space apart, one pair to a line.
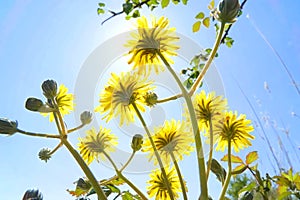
56,148
169,98
199,147
120,175
128,161
228,176
209,61
86,170
211,143
38,134
62,131
155,151
179,176
76,128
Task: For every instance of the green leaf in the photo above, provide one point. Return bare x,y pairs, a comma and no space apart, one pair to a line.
239,169
196,26
229,42
218,170
165,3
284,195
200,15
251,157
101,4
100,11
184,2
234,159
175,1
128,196
211,5
206,22
248,188
136,14
127,7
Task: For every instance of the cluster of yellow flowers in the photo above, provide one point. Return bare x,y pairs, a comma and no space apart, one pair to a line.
124,94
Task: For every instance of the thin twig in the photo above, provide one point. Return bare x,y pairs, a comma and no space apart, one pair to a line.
114,14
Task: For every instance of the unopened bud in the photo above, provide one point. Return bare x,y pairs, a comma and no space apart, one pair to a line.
45,154
8,127
36,105
227,11
49,88
86,117
150,99
137,142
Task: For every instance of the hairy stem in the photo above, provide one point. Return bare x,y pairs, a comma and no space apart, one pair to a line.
228,176
38,134
211,144
169,98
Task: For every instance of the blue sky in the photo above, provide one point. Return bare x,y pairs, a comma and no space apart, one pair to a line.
42,40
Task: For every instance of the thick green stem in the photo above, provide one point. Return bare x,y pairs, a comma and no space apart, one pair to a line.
179,176
63,133
127,181
85,169
209,61
199,147
211,146
38,134
155,151
228,176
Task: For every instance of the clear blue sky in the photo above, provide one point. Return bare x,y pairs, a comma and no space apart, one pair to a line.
52,39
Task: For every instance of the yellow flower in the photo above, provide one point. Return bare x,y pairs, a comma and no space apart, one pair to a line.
208,106
158,187
235,129
94,144
150,39
171,138
117,97
64,101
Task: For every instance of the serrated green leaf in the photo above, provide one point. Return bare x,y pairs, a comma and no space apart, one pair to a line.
165,3
100,11
196,26
101,4
251,157
229,42
234,159
200,15
206,22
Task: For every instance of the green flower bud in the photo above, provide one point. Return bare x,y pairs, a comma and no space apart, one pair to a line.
150,99
8,127
36,105
86,117
227,11
137,142
44,154
33,194
49,88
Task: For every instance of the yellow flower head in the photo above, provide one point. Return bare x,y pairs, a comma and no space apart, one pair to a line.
170,139
94,144
148,40
64,101
117,97
208,106
234,129
157,184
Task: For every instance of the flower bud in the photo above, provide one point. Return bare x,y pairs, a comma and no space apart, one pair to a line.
137,142
49,88
44,154
227,11
8,127
36,105
86,117
33,194
150,99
